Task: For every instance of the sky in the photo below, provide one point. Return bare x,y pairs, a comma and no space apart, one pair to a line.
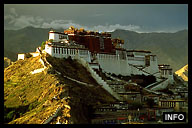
98,17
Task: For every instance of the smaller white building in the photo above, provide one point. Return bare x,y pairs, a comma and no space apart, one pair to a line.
21,56
58,36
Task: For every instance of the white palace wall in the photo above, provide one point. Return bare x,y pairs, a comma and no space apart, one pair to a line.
153,68
63,52
109,63
112,64
54,37
137,60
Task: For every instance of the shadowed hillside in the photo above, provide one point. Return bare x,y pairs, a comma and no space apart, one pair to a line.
34,98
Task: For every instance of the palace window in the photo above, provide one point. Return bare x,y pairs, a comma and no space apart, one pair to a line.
152,58
59,50
147,60
63,36
71,51
62,50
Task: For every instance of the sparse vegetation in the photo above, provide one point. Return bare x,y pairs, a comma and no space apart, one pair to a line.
43,45
51,40
10,115
29,98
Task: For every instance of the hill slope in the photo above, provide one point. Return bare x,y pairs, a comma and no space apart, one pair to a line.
33,98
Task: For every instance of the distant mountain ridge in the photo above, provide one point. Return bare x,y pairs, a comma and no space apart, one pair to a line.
23,40
170,48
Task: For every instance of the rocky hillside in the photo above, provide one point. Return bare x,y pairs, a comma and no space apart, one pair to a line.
44,97
183,72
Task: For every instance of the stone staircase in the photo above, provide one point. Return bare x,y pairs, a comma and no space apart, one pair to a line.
161,85
155,84
99,80
142,69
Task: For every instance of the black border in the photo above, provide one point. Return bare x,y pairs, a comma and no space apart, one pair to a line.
95,2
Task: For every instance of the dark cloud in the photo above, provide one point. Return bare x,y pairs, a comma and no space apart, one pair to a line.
101,17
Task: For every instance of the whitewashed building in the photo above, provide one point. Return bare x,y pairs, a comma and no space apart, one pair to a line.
122,61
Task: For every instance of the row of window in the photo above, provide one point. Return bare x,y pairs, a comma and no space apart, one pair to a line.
63,37
106,56
106,109
83,52
69,51
170,104
104,121
166,72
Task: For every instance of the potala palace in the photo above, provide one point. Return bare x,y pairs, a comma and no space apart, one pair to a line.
100,51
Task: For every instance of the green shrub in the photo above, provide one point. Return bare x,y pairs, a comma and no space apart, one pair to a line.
43,45
10,115
33,105
25,101
11,95
20,114
51,40
30,107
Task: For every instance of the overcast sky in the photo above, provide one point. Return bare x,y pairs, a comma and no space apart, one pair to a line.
107,17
